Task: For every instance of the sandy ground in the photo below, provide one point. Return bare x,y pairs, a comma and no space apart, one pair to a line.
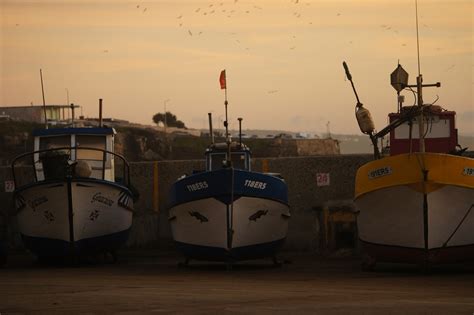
144,282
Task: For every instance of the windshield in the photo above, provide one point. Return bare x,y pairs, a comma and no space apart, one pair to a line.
238,160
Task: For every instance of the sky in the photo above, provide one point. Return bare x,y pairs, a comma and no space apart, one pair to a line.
283,58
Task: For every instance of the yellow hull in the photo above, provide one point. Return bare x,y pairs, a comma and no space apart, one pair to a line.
417,201
407,169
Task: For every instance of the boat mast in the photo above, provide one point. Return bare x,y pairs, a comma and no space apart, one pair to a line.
240,130
227,135
100,113
44,102
211,133
419,89
419,86
223,83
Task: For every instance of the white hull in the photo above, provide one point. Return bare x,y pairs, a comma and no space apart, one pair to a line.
394,216
98,209
205,223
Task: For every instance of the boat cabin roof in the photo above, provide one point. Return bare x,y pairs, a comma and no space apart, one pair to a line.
94,146
216,154
73,131
222,147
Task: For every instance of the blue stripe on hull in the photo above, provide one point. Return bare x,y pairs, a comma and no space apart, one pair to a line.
46,247
218,184
198,252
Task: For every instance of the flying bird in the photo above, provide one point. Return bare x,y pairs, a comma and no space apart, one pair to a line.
449,68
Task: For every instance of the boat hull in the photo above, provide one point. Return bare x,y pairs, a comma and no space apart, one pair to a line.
417,208
74,217
230,222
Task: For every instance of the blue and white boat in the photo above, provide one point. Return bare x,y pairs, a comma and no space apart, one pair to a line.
229,212
73,205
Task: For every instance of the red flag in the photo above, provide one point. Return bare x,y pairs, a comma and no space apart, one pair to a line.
222,80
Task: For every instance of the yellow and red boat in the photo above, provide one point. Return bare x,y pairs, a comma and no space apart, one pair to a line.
416,208
416,204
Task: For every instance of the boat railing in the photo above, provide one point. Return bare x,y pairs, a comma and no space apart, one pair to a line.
63,161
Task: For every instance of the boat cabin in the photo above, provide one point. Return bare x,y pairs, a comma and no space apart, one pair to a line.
216,154
441,135
90,150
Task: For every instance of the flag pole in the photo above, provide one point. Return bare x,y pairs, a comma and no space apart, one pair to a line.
223,83
227,135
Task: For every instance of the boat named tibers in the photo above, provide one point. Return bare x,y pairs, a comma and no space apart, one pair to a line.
229,212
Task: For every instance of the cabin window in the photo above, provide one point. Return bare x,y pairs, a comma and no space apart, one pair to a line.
96,142
238,160
217,160
55,142
434,128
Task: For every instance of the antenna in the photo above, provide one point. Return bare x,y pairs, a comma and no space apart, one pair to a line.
240,130
100,112
211,133
419,85
44,102
417,37
328,129
419,88
72,115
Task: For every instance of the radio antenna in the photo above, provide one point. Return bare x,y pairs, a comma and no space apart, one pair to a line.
44,102
417,37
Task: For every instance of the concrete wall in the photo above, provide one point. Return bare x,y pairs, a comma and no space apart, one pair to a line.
153,180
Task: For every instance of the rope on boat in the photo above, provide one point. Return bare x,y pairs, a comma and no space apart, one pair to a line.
457,227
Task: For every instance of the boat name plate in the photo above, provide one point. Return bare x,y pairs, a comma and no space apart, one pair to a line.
379,172
197,186
255,184
98,197
468,171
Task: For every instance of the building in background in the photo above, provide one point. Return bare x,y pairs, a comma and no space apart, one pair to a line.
35,113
